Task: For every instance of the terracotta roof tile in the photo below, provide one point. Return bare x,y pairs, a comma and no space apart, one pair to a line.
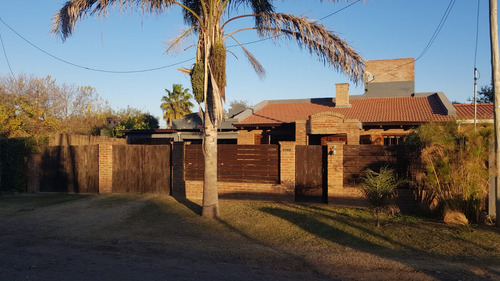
466,111
368,110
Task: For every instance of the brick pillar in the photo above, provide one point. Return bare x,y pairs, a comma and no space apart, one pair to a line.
105,168
300,132
33,172
335,168
287,163
178,187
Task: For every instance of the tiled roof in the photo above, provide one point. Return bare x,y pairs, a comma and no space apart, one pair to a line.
367,110
466,111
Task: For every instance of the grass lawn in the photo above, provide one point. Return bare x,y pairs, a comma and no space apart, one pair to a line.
332,240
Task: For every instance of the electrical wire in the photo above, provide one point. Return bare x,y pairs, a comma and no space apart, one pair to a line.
325,17
477,33
142,70
7,58
91,68
438,29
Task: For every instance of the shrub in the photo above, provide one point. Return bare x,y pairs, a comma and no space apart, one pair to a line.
378,188
456,172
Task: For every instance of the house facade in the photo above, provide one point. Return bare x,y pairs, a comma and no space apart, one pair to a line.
384,115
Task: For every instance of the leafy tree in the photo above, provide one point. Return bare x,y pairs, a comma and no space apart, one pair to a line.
32,106
176,103
131,119
209,19
237,106
485,94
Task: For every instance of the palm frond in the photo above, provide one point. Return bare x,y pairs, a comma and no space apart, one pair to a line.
64,22
259,69
326,45
175,44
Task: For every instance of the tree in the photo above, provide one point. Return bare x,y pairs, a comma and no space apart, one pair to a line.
176,103
32,106
486,94
207,19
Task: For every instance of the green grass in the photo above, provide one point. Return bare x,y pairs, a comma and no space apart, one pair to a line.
285,226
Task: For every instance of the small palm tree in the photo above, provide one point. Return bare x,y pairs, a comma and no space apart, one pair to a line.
378,188
209,19
176,103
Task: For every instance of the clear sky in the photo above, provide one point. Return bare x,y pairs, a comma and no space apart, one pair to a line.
377,29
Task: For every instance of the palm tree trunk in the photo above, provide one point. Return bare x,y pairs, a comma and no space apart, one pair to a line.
210,204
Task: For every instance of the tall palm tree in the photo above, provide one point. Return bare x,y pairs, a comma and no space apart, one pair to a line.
207,19
176,103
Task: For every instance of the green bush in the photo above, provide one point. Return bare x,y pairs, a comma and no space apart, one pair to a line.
14,153
378,188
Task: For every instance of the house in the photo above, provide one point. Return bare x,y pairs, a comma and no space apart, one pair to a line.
188,129
385,114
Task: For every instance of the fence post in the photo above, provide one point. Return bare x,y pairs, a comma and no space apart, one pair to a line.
105,168
287,163
335,168
178,187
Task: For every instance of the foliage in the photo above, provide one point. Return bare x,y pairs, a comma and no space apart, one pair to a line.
31,106
14,154
131,119
176,103
378,188
485,94
456,172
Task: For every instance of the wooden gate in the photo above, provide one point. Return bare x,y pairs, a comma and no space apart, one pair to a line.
141,169
73,169
311,173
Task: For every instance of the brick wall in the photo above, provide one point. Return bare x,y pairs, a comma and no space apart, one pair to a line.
287,163
342,95
329,123
393,70
105,168
249,137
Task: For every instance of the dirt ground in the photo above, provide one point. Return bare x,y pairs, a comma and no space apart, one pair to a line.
93,239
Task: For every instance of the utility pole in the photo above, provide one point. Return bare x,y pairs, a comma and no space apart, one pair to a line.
37,117
495,71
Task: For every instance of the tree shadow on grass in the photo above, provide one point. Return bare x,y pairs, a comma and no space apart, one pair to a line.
195,208
344,232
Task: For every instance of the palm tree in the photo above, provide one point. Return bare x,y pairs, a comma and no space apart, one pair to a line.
176,103
207,19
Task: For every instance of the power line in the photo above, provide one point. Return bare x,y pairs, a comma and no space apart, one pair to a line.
90,68
438,29
477,33
142,70
7,58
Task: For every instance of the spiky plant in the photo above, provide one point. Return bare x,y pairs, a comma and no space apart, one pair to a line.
208,20
378,188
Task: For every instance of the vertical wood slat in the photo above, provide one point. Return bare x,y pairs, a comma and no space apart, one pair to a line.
141,169
245,163
70,169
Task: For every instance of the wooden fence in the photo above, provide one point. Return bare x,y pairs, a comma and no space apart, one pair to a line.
141,169
70,169
238,163
358,158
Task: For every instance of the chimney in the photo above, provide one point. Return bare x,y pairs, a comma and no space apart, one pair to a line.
342,95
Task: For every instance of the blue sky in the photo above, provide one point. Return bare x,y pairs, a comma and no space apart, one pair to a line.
378,29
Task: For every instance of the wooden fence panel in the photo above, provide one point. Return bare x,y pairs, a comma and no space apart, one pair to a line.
245,163
70,169
358,158
141,169
311,173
